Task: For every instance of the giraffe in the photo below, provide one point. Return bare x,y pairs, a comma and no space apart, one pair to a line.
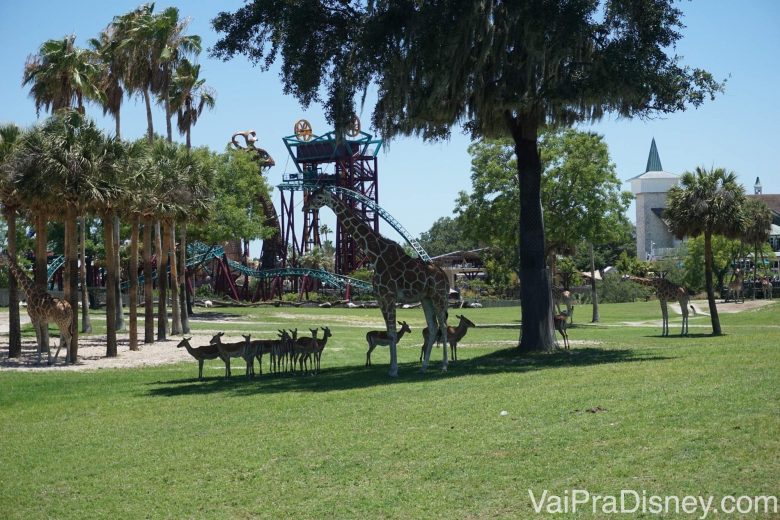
735,286
397,276
667,291
43,308
560,296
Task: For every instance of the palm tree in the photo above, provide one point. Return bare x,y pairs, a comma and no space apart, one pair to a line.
60,74
758,220
70,163
169,47
188,97
108,77
707,203
10,136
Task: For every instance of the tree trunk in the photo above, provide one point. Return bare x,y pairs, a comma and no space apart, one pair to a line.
41,266
162,285
708,282
183,293
108,239
189,140
755,270
148,284
14,326
175,308
536,304
120,317
168,127
133,285
593,294
149,121
117,126
71,274
86,322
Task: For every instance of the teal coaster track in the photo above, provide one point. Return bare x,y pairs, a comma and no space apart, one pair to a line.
358,197
198,253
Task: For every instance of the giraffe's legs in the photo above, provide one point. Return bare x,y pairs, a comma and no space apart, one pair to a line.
664,319
430,318
441,317
38,339
388,312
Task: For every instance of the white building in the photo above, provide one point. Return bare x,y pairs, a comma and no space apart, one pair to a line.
653,238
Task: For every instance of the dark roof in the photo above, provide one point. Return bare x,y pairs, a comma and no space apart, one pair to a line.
772,201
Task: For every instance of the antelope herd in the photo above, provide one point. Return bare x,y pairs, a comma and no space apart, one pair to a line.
291,354
288,353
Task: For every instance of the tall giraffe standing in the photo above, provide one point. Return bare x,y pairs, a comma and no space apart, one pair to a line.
397,276
43,308
560,296
666,292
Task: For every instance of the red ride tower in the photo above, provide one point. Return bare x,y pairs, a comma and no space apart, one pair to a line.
349,162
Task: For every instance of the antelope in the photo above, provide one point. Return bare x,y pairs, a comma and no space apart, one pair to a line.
308,346
229,350
454,335
264,346
379,337
200,353
561,323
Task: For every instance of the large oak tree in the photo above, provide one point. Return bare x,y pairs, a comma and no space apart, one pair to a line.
494,67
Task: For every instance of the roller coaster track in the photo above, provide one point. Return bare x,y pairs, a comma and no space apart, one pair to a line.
54,265
359,197
198,253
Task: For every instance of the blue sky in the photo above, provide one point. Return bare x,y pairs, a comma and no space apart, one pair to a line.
418,182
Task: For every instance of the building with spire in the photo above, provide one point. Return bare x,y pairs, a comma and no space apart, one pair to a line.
653,237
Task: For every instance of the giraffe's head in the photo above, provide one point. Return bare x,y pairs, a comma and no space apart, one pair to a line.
319,198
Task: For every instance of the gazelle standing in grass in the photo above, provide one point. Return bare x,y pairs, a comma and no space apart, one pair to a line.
380,337
232,350
454,335
561,322
200,353
311,348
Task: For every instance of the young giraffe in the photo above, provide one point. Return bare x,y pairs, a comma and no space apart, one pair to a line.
667,291
397,276
42,308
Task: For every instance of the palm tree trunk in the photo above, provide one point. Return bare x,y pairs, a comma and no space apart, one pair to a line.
593,293
175,308
117,126
149,121
168,115
148,284
71,275
708,282
183,293
162,285
14,326
120,317
108,238
755,269
86,323
41,276
537,330
189,140
133,286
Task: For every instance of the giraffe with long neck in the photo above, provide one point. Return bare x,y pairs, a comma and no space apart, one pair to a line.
398,278
43,308
667,291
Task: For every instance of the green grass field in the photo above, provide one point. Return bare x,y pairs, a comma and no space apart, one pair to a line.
681,416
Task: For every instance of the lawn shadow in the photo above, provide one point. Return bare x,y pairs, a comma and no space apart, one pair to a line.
357,376
214,316
687,336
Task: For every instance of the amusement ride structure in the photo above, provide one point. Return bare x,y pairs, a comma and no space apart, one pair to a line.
348,168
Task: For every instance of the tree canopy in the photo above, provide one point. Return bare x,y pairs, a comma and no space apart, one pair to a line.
495,68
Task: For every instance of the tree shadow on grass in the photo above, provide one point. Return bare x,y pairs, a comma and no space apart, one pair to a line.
687,336
214,316
505,361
